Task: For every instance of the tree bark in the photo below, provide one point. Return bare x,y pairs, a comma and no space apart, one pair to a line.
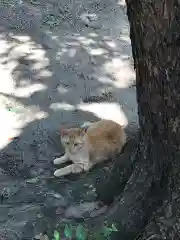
155,38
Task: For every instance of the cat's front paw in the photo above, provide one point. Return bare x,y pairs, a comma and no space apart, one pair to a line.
61,160
58,173
63,171
57,161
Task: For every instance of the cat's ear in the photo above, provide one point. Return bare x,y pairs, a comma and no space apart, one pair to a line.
83,130
64,132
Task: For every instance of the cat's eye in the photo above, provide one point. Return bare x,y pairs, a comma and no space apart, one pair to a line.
76,144
67,143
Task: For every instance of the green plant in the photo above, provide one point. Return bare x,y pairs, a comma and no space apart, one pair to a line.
56,235
82,233
68,231
105,232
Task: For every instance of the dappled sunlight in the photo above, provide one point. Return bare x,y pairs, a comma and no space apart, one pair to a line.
62,106
12,124
112,66
21,38
14,118
97,51
19,52
8,82
122,72
27,91
126,38
30,79
110,111
52,74
16,53
62,90
111,44
9,127
85,41
122,3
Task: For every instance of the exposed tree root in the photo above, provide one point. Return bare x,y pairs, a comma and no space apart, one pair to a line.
118,176
144,191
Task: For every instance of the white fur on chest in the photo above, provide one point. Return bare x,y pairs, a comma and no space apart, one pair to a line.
80,157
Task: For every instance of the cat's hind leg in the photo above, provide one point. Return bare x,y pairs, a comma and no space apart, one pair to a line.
61,160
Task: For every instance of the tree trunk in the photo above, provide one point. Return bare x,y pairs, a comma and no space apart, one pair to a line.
155,38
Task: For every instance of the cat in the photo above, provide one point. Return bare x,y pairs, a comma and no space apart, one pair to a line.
88,145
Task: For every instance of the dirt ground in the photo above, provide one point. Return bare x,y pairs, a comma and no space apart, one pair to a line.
61,63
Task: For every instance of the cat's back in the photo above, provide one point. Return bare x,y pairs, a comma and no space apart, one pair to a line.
106,136
104,129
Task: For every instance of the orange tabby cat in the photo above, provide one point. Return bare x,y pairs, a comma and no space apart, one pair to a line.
86,146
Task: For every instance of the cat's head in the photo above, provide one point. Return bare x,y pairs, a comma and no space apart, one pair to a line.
73,139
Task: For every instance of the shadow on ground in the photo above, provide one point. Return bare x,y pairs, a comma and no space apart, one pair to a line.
58,67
